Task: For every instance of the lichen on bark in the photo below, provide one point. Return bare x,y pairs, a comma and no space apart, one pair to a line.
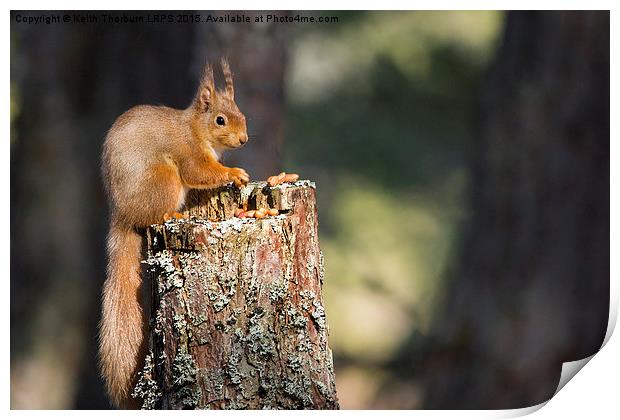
238,320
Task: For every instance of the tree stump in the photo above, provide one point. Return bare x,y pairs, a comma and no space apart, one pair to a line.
237,312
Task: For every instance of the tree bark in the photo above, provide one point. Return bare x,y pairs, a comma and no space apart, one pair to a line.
238,320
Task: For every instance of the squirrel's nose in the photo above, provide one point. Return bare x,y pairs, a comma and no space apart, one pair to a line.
243,139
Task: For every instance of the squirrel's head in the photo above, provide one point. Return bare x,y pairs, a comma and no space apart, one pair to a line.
217,113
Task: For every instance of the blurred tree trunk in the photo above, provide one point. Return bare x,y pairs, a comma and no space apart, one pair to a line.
533,287
68,84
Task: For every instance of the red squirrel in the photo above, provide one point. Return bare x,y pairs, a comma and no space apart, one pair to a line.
152,156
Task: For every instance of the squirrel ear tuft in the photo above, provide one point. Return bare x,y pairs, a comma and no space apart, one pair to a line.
205,98
230,90
207,88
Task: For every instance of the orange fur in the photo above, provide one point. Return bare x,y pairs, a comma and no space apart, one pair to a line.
152,156
123,326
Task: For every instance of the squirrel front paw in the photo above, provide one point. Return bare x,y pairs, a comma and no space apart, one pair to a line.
239,176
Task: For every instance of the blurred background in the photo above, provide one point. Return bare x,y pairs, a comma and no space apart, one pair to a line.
462,169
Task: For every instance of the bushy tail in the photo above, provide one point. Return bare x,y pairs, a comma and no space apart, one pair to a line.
122,330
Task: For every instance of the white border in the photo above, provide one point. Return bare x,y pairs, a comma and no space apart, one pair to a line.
595,389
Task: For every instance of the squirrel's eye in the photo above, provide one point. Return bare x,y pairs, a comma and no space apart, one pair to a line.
220,120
